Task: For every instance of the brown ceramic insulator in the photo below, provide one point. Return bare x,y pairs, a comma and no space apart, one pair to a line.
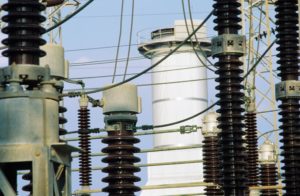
233,152
288,48
28,187
120,158
62,120
268,176
85,145
252,149
24,31
212,164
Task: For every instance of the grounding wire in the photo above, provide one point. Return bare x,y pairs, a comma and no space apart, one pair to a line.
74,94
193,28
69,16
192,44
119,41
130,39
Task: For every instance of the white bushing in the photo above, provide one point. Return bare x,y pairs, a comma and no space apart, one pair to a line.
84,101
210,125
267,153
55,58
123,98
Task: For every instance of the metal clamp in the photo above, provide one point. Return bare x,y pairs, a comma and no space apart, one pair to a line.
188,129
288,89
117,127
228,44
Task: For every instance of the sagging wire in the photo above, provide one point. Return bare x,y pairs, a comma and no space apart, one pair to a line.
193,28
130,39
119,41
72,94
192,44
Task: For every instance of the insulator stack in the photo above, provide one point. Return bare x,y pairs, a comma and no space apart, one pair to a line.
252,149
62,120
288,41
28,187
120,158
85,145
211,164
268,178
24,31
234,174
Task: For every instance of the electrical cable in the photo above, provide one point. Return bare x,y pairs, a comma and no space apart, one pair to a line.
268,132
119,41
108,61
147,127
69,16
193,28
154,84
195,115
130,38
72,94
96,48
259,60
192,44
138,15
151,72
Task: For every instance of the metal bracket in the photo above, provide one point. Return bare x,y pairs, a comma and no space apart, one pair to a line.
288,89
228,44
24,73
117,127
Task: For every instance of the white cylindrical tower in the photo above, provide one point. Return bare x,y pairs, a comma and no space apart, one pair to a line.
181,93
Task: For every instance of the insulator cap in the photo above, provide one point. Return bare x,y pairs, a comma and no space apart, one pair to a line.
210,125
267,153
123,98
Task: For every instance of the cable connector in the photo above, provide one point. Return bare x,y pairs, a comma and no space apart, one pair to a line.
188,129
73,94
144,127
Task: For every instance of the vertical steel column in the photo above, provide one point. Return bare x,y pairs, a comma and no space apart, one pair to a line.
288,41
234,175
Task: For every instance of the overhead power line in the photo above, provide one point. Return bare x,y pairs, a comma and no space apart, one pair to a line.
119,41
150,72
74,94
130,39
